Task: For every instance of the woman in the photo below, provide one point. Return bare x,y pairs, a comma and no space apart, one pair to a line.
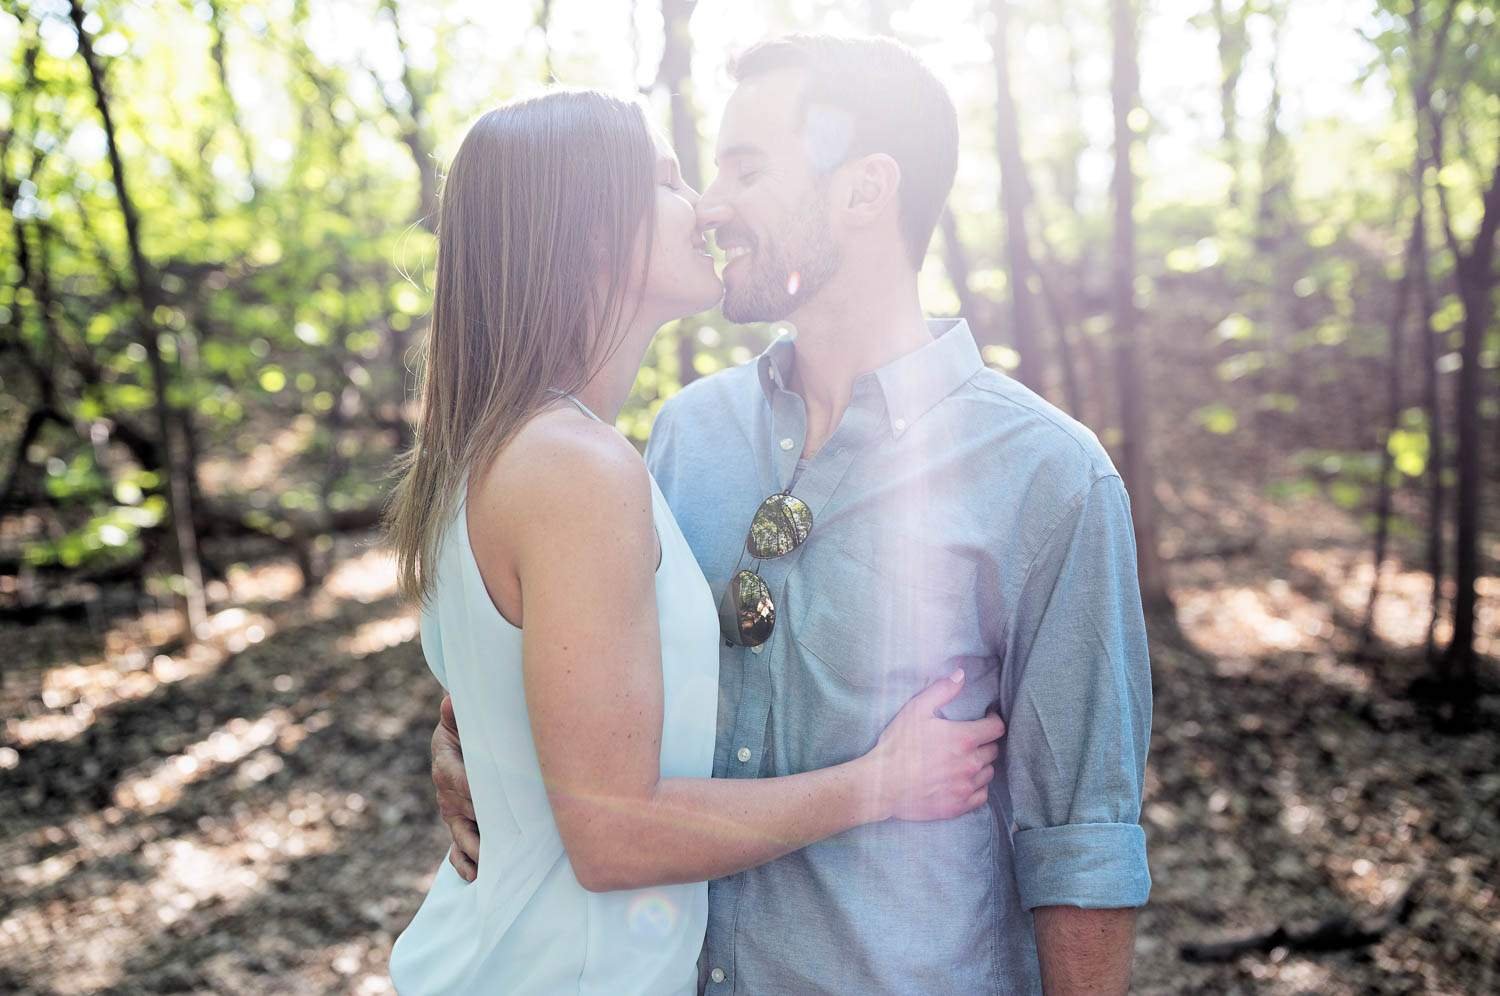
563,609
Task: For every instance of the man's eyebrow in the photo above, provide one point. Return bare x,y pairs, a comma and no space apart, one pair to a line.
740,151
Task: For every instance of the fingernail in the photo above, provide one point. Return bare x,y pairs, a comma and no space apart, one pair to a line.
957,677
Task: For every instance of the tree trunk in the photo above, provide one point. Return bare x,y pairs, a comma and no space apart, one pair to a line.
1385,486
412,121
1070,172
1455,673
1275,240
956,262
18,463
1013,194
1072,390
1475,271
1432,407
1233,45
1134,409
1427,157
544,21
676,75
221,65
148,298
973,308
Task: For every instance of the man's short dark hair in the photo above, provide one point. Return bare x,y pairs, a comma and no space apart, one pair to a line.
897,107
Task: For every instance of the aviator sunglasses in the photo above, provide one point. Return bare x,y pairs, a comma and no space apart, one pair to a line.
747,614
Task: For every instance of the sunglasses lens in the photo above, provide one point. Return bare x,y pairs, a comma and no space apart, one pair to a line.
780,525
747,611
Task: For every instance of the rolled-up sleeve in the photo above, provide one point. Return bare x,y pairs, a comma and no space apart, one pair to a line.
1076,693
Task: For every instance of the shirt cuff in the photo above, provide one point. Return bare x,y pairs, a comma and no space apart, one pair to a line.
1090,865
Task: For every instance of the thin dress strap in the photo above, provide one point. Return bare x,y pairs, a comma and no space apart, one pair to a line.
661,551
576,403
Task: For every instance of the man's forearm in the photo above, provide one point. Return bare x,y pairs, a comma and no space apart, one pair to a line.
1084,951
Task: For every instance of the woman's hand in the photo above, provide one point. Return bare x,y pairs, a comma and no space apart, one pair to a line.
930,768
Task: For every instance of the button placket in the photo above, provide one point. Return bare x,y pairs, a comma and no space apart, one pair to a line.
789,431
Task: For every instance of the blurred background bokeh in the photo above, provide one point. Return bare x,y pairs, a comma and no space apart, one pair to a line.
1250,243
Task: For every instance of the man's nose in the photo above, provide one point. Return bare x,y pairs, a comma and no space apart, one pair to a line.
711,210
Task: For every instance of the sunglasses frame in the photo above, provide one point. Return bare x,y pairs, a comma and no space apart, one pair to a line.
748,619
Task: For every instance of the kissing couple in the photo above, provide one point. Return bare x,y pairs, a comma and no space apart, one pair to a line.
844,688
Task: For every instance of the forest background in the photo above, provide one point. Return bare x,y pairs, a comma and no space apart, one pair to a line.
1250,243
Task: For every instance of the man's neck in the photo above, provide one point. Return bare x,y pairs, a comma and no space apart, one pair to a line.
846,333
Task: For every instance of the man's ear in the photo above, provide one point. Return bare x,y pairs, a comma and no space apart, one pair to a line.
873,184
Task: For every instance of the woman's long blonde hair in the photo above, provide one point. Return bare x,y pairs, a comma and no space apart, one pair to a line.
545,195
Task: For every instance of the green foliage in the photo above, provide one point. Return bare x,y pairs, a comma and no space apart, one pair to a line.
75,479
1218,419
280,219
1409,444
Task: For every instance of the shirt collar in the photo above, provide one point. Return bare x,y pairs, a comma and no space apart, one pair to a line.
912,384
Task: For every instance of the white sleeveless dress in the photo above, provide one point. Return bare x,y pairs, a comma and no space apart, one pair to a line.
526,925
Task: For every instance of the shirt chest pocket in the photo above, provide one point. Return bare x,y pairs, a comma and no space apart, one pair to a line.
895,616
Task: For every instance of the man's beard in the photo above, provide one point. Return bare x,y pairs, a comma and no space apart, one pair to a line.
785,274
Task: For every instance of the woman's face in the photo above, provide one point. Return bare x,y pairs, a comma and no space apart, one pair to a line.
681,280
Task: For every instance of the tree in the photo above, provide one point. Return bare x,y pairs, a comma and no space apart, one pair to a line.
408,106
1474,273
1230,23
956,261
148,298
1395,363
1423,80
675,74
1134,406
1013,197
1416,271
231,106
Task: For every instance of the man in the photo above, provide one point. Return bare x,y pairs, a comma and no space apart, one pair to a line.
955,519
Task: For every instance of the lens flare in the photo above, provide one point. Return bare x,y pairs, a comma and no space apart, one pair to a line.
652,915
793,283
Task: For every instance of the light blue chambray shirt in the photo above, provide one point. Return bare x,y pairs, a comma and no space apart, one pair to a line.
958,520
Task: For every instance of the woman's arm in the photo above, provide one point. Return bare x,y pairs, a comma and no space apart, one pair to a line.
579,532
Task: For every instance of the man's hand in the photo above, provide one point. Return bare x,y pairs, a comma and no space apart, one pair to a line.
455,804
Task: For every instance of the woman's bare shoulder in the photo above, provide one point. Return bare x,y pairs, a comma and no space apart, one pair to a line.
563,468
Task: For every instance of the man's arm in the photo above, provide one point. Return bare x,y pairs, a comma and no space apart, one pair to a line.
1076,693
1084,951
454,801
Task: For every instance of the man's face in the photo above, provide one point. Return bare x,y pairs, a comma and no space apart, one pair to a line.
768,205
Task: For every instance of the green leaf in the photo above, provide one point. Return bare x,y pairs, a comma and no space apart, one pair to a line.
1218,419
1346,494
1408,449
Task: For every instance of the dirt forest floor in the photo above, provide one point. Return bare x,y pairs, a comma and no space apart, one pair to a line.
254,815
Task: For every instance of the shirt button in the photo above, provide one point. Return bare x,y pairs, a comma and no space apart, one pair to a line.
900,424
757,649
743,754
787,444
717,975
